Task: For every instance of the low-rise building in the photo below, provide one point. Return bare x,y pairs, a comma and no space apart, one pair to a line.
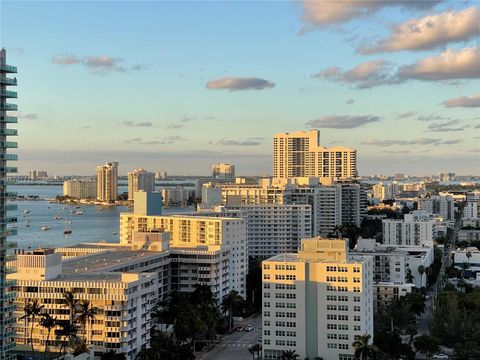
176,196
124,299
438,205
80,188
316,301
412,230
467,259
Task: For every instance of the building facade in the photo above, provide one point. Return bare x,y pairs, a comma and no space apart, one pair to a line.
107,182
7,317
124,299
223,171
411,230
438,205
273,229
140,180
195,232
299,154
316,302
80,189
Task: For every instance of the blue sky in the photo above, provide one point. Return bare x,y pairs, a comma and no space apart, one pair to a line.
178,85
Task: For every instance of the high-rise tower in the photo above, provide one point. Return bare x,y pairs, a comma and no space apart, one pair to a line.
6,296
107,182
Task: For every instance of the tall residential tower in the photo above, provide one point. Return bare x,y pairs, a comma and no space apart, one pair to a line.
107,181
299,154
138,180
6,297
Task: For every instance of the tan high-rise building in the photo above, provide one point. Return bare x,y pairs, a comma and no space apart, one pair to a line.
107,181
140,180
299,154
223,171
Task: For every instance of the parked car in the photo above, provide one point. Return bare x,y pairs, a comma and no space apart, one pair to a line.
240,328
249,328
440,356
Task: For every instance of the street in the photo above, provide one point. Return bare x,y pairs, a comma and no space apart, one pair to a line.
424,320
235,346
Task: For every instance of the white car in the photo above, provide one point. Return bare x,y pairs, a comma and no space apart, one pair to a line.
439,356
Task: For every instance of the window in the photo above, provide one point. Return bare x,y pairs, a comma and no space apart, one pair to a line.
266,295
291,324
266,323
356,308
266,341
280,333
343,346
356,327
331,317
266,266
266,313
331,345
343,317
332,326
356,318
266,276
266,332
342,327
332,336
343,336
266,304
291,343
266,286
280,342
342,308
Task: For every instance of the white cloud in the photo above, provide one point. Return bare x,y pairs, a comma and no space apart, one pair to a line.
322,13
342,122
463,101
430,31
450,64
363,76
98,65
238,84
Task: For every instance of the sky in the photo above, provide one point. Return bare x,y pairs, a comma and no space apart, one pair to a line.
176,86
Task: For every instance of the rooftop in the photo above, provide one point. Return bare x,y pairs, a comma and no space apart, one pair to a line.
290,257
104,261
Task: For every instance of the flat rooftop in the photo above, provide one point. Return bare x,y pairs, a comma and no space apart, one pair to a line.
105,261
290,257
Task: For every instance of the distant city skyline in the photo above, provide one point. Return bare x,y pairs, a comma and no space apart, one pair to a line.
177,86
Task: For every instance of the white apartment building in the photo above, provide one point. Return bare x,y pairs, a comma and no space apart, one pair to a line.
107,182
470,256
331,205
273,229
392,263
140,180
299,154
176,196
195,232
223,171
412,230
124,300
471,210
438,205
316,301
80,188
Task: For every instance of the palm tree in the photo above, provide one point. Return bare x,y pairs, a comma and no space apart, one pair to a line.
363,350
47,322
231,302
31,311
70,302
409,277
67,334
289,355
86,313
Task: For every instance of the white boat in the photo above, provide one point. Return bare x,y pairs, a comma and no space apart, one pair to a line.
45,227
26,211
78,212
57,217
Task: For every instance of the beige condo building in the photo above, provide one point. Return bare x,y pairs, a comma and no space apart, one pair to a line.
299,154
107,182
206,236
316,301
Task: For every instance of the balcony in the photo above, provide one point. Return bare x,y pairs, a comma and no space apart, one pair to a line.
10,207
8,119
8,296
9,107
8,144
7,81
9,194
8,132
8,68
8,94
9,157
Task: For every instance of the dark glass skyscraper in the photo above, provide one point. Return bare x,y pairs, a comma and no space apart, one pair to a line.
6,295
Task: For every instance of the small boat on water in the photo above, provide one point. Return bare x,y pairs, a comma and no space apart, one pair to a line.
114,233
78,212
67,231
45,227
26,211
57,217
